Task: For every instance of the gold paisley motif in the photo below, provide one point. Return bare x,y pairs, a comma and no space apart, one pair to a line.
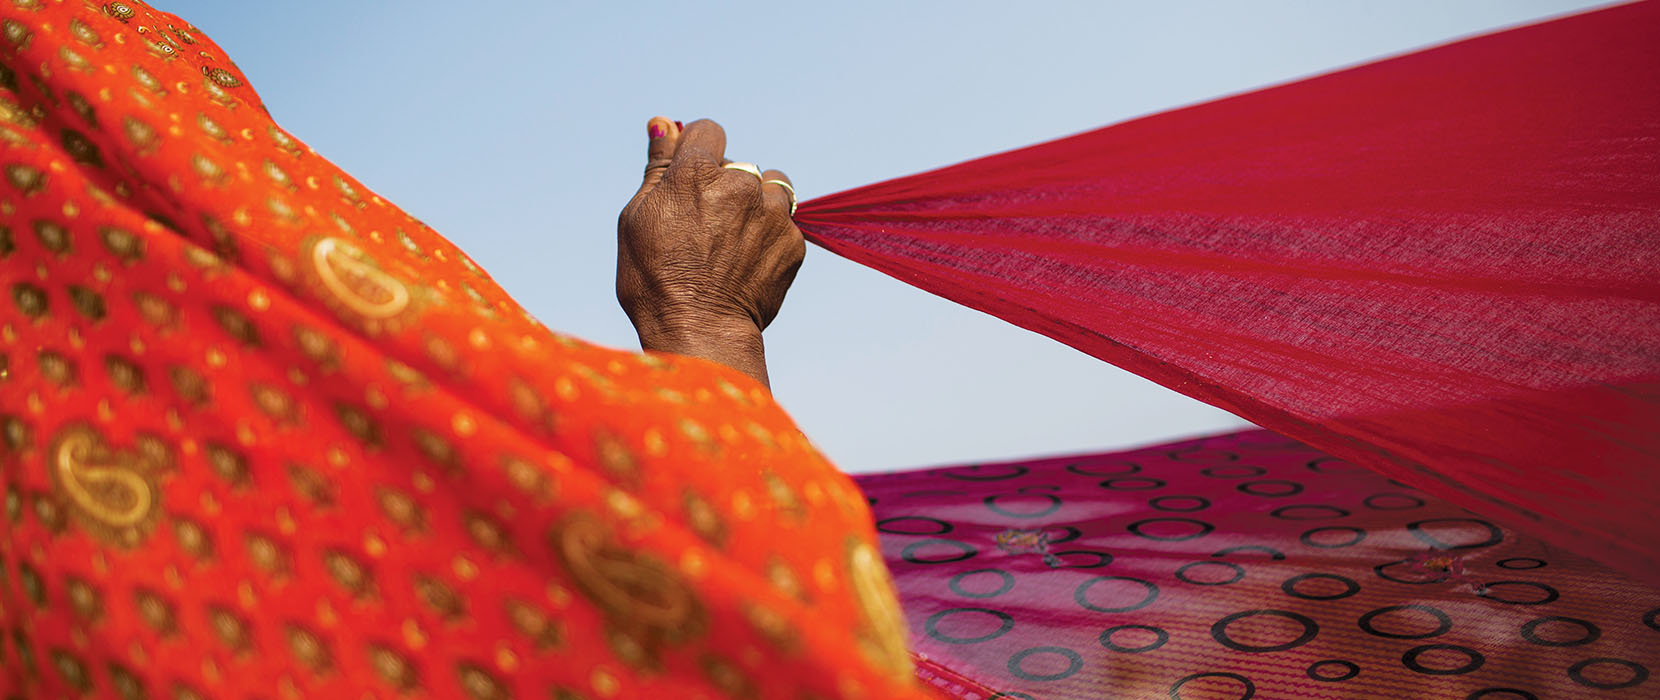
486,532
57,368
127,684
637,593
394,668
111,492
30,299
309,648
231,629
121,11
266,554
84,599
155,611
441,598
883,633
726,676
71,670
48,513
479,683
533,622
355,281
703,518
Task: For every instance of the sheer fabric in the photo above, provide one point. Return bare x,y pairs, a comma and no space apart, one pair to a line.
1443,266
1240,566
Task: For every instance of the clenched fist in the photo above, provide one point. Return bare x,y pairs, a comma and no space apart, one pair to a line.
705,253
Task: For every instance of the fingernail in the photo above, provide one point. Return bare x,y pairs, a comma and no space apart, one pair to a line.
657,130
680,126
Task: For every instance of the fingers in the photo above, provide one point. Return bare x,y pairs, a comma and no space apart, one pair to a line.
778,197
702,145
664,135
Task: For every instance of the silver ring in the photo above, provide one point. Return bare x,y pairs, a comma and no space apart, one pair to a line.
750,168
787,188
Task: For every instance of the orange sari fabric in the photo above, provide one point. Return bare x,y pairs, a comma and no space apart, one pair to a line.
267,436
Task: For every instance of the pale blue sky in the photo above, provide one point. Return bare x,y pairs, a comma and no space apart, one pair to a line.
518,130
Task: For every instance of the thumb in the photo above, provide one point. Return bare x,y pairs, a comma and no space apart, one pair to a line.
664,135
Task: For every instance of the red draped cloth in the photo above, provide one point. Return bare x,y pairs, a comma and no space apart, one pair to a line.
1443,266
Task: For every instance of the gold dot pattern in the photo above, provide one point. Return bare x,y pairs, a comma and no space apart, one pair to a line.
264,435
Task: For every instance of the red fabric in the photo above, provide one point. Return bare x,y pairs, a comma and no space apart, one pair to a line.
1443,266
1243,566
264,435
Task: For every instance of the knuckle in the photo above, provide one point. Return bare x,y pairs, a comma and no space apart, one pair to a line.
734,190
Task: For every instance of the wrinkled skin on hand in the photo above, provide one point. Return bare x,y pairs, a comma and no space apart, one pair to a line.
705,253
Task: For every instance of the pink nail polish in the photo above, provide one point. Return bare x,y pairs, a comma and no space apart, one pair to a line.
657,130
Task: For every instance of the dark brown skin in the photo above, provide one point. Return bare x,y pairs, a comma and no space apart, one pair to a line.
705,254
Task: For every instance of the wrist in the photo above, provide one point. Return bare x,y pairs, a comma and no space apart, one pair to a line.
731,340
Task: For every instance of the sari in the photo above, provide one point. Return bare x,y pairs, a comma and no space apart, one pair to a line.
1440,266
1435,278
267,436
1241,566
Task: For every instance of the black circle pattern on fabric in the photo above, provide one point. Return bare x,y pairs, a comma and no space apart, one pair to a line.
1318,466
1474,660
1270,488
1160,635
1309,512
1072,533
1233,471
1546,594
1272,553
1382,570
1139,527
930,493
1250,688
965,551
1319,670
1074,662
1186,575
1589,632
1290,586
1133,483
1392,501
1639,673
1371,523
1199,454
1163,503
1005,623
1367,622
1098,471
1494,534
887,525
1080,595
1501,694
1054,504
1309,538
1219,631
1101,559
976,473
1006,583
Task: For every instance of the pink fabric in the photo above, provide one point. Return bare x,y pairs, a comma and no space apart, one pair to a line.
1238,566
1443,266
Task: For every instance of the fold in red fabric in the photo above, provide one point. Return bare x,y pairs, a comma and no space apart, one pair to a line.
1444,266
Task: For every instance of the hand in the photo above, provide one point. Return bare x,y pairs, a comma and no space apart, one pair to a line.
705,254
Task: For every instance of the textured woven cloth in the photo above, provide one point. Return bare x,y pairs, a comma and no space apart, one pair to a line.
266,436
1239,566
1441,266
